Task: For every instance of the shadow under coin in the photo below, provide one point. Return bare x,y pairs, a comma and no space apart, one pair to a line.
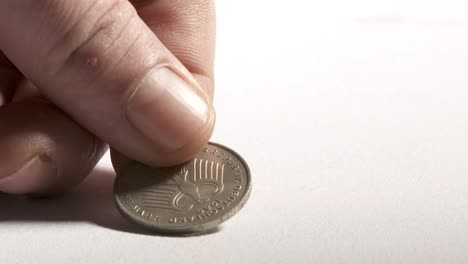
92,201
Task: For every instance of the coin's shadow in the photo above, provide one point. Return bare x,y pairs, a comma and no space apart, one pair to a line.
92,201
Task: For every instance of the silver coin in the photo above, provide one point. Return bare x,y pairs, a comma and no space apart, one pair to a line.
193,197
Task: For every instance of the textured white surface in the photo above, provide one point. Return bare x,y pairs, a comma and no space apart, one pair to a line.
353,117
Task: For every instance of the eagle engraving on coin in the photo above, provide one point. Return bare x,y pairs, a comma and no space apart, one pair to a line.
195,196
193,185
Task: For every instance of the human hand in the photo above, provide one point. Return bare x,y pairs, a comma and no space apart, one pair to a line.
137,75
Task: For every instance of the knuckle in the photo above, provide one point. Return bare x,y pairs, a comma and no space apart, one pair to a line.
86,44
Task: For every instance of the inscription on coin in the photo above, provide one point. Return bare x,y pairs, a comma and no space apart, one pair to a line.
195,196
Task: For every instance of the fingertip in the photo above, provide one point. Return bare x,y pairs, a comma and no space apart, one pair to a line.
162,158
168,110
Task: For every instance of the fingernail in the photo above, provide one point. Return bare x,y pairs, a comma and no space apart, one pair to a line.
32,176
167,110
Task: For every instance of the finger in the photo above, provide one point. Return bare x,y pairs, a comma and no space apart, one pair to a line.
9,79
119,161
107,70
187,28
43,151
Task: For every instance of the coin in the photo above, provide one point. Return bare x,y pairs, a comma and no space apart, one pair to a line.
192,197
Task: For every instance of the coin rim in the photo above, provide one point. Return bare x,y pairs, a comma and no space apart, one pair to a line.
194,228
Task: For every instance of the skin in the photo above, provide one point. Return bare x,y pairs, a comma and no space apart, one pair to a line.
68,68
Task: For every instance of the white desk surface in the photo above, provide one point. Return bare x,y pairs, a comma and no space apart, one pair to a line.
353,118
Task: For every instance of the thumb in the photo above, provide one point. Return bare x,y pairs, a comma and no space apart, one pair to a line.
100,63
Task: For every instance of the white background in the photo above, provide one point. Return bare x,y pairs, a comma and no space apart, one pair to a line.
353,118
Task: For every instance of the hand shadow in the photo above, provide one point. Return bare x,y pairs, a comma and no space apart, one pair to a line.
92,201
